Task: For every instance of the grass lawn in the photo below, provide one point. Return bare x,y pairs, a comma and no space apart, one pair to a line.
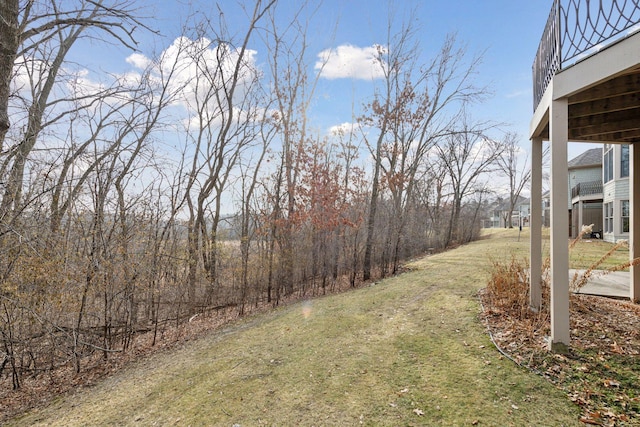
409,350
586,252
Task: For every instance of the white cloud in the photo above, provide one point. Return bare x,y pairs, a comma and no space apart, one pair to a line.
345,128
348,61
197,69
82,85
138,60
26,70
70,83
202,68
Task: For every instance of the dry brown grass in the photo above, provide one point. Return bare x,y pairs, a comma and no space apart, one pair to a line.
507,295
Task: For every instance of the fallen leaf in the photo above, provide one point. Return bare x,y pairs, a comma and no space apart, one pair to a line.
560,357
615,348
592,418
611,383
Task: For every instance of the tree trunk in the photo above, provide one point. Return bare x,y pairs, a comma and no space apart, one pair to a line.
9,42
373,208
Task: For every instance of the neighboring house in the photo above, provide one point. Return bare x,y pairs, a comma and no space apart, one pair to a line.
499,213
615,177
585,192
494,215
598,193
521,213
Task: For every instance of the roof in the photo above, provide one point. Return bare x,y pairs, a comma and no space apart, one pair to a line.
503,204
592,157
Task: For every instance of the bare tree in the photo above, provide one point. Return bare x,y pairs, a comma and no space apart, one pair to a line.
45,34
223,123
9,42
114,194
249,177
294,90
466,155
416,107
35,91
517,171
354,194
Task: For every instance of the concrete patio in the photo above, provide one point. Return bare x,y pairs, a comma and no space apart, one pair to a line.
602,283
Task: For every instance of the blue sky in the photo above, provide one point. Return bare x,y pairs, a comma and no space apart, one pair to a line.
505,32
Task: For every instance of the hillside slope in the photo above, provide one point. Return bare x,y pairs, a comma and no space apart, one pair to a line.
406,351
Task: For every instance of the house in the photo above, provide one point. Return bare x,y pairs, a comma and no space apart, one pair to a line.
499,213
599,192
585,192
494,214
586,86
616,205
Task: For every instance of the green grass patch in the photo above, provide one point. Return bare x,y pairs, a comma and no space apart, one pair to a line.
406,351
587,252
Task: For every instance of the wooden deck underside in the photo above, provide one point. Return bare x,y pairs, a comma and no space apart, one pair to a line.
607,112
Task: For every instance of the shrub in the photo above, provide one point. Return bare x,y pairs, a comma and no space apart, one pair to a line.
508,288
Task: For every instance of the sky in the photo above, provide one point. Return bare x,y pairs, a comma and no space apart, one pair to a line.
505,32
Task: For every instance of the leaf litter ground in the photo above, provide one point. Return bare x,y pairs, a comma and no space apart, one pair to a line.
600,372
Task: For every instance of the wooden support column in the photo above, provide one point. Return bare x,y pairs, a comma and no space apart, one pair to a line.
634,221
580,218
559,136
535,226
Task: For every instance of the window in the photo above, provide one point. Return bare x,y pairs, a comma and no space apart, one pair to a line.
624,160
608,217
624,213
607,163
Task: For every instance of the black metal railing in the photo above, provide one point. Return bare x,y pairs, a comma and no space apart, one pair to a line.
586,189
547,60
579,28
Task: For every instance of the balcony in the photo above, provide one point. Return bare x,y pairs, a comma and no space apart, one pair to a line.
577,29
590,190
586,89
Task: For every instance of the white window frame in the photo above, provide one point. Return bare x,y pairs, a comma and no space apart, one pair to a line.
624,216
608,217
607,164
